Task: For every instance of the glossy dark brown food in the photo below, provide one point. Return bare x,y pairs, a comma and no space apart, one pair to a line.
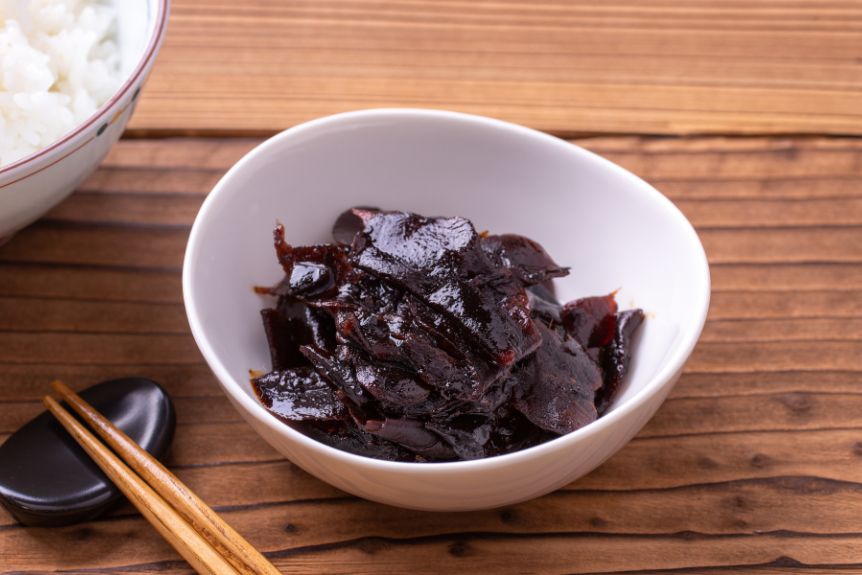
419,339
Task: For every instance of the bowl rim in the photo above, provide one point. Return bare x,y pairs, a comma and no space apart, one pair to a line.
21,164
664,375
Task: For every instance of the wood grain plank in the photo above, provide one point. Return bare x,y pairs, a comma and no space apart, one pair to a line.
85,349
198,410
87,283
819,212
783,245
781,168
786,303
724,357
783,329
549,14
705,383
799,188
670,462
571,67
384,548
176,152
697,145
153,181
91,316
29,382
777,567
580,555
213,444
815,276
128,209
776,412
106,246
739,508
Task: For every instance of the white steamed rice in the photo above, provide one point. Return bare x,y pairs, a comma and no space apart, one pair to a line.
58,63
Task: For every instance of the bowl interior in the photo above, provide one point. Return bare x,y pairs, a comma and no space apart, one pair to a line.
136,23
614,230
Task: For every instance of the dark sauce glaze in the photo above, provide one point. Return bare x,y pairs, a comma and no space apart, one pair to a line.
419,339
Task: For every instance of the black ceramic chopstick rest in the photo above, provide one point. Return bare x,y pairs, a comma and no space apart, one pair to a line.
46,479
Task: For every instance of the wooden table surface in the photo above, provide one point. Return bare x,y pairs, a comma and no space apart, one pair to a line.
746,114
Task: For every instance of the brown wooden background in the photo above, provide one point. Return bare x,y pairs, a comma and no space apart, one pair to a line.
746,114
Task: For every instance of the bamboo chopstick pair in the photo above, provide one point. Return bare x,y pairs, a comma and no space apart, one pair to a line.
209,544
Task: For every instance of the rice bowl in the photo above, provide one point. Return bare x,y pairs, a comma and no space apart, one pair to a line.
59,63
34,183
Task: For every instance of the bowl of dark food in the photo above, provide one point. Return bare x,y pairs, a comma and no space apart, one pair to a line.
441,311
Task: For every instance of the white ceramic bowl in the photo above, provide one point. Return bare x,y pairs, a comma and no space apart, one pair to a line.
34,184
613,229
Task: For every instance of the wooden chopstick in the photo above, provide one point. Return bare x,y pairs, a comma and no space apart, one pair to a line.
244,558
191,545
